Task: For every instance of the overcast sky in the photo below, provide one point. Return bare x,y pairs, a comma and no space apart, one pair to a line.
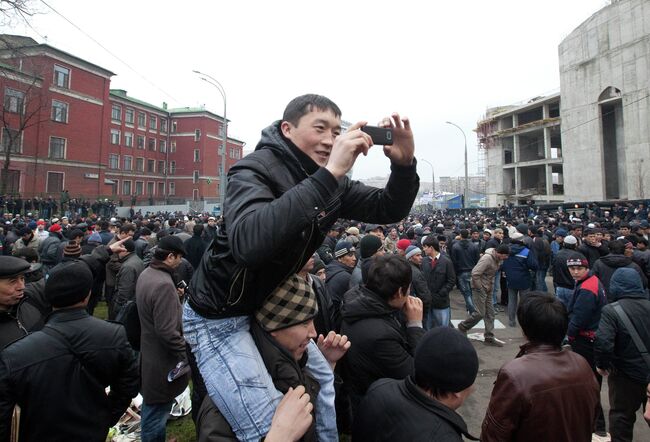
432,61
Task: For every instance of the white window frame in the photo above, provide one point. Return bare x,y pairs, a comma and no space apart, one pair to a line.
151,148
151,161
172,167
47,181
144,141
124,192
142,125
195,177
64,149
197,134
63,73
153,122
163,168
18,148
113,160
172,147
116,137
14,101
139,184
128,139
153,188
129,164
60,111
162,146
138,161
197,155
172,188
116,113
129,111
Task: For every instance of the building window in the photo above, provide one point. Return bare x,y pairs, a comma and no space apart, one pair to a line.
139,164
221,130
62,77
142,120
115,136
150,188
163,146
195,177
54,182
195,194
161,189
128,139
116,113
115,187
126,187
57,148
12,140
14,101
139,187
153,122
174,126
128,162
129,115
152,144
59,111
151,166
163,125
172,188
140,142
197,134
172,147
197,155
172,167
113,161
161,167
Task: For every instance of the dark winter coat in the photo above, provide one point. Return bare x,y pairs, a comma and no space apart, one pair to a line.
419,287
584,309
276,216
47,250
440,280
58,377
399,410
195,247
126,279
383,346
162,343
518,266
605,267
561,275
614,347
337,281
592,253
464,254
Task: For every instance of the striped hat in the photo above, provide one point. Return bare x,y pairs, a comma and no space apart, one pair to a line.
292,303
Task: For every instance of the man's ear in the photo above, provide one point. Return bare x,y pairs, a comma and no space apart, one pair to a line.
286,127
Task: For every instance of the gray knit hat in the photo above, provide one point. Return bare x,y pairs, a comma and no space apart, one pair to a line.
292,303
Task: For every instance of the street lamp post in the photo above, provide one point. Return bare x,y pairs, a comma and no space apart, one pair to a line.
433,182
466,192
222,173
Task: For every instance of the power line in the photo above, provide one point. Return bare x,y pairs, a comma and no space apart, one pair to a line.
110,52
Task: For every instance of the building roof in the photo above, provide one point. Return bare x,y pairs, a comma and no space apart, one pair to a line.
502,111
122,94
29,46
194,110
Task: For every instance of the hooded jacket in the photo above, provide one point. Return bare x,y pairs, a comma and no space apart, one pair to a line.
605,267
337,281
518,266
383,346
585,307
276,216
414,416
614,347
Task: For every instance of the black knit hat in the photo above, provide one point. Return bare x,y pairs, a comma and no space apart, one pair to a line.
446,359
292,303
68,283
369,245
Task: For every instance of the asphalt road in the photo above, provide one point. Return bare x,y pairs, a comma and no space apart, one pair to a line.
492,358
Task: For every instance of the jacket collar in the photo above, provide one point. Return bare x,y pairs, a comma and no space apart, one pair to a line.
66,314
532,347
439,409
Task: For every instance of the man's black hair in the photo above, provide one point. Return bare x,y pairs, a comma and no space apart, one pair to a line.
387,274
503,249
616,247
302,105
127,228
197,229
430,241
464,234
543,318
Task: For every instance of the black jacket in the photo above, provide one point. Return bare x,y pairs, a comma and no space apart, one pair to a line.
419,286
58,377
275,216
195,247
337,281
22,318
398,410
592,253
440,280
382,346
464,255
327,318
605,267
614,347
561,275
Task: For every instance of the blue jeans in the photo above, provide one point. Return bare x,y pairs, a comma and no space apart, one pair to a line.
238,382
465,286
438,317
153,426
497,284
564,295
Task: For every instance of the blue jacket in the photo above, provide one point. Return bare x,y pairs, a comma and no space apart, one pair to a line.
518,266
585,307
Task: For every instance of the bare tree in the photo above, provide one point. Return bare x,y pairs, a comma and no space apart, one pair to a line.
12,10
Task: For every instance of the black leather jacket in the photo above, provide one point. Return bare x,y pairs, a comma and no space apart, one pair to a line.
276,216
58,377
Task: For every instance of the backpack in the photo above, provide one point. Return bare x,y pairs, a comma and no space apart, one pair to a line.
129,318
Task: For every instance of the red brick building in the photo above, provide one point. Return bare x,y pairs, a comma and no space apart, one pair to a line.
64,128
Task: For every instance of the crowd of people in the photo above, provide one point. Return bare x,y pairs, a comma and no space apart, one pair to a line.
318,306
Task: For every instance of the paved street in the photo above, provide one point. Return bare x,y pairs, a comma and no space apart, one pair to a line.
492,358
